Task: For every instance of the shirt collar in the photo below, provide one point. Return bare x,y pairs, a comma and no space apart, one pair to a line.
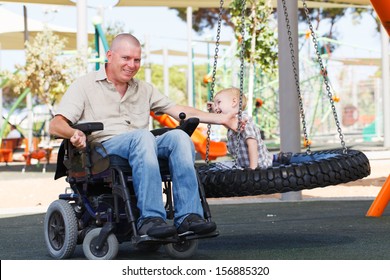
101,75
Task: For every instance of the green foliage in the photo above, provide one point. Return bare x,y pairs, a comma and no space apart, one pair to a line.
110,31
205,18
113,29
257,23
329,17
46,72
258,27
177,81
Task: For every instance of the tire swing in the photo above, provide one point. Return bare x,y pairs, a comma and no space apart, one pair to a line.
307,170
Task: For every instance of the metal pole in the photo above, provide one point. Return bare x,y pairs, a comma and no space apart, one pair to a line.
166,71
25,23
189,58
102,46
288,97
30,115
148,70
82,33
251,81
385,87
147,66
1,98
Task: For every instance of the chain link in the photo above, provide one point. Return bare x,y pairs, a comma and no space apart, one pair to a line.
212,86
324,73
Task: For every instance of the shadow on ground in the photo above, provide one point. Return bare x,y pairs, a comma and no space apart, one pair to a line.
317,230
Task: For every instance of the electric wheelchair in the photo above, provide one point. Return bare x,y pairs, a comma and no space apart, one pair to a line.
98,209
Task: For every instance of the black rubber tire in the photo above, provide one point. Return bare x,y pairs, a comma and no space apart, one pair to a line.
319,169
60,229
109,250
182,250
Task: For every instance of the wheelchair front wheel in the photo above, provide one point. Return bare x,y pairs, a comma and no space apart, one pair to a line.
182,249
60,226
107,252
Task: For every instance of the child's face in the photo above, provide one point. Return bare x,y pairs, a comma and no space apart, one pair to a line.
224,103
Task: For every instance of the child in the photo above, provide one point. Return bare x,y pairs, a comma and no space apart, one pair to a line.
252,151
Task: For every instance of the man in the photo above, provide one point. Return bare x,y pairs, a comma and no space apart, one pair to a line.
123,104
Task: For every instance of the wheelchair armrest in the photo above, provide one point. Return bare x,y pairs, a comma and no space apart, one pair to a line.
89,127
189,125
160,131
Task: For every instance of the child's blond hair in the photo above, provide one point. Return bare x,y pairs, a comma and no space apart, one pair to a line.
236,93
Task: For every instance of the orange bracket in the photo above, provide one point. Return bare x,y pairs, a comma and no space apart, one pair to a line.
381,8
381,201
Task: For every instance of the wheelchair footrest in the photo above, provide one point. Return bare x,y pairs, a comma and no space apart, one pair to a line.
173,239
149,239
190,235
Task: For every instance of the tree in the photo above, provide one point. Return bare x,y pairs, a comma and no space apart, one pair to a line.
357,15
328,17
47,72
258,29
260,42
205,18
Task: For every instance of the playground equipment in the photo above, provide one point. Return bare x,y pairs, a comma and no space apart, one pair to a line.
381,201
217,149
382,8
306,170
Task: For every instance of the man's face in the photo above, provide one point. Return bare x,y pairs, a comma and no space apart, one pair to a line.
125,62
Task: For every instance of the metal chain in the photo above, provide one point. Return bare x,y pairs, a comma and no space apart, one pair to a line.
324,74
242,54
212,86
296,76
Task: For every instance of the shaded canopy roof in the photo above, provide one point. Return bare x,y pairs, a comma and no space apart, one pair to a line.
215,3
193,3
12,31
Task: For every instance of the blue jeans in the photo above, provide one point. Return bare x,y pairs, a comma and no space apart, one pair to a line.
142,149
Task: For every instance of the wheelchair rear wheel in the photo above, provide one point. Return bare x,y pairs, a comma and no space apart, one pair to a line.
182,249
60,226
107,252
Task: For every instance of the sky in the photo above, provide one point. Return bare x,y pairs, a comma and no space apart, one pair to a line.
164,29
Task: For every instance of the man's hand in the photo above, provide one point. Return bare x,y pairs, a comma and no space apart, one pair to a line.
78,139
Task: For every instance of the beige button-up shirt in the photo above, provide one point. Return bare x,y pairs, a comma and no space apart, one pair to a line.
92,98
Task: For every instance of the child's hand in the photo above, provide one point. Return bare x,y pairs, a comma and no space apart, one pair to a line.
210,106
244,121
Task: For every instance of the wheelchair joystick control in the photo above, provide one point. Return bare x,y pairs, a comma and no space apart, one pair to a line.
182,117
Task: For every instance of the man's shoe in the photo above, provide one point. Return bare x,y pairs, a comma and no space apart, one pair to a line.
196,224
156,227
